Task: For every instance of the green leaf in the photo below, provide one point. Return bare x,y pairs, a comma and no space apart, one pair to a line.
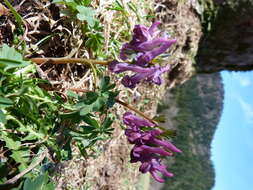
82,149
87,129
107,123
10,143
20,92
168,132
57,1
95,106
160,118
91,97
69,3
72,94
2,117
5,102
117,6
41,182
111,99
95,40
16,15
90,121
86,14
29,137
22,157
86,2
10,58
73,116
105,84
86,109
3,170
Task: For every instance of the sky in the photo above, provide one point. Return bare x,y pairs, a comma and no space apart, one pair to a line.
232,146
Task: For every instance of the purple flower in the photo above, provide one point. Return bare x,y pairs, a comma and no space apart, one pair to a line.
151,74
149,146
153,166
140,150
136,136
147,43
136,122
151,163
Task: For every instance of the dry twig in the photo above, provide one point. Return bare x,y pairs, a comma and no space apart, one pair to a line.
32,166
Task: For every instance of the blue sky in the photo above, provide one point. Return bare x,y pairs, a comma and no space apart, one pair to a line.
232,146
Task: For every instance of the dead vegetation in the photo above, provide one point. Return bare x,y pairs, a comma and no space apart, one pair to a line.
49,34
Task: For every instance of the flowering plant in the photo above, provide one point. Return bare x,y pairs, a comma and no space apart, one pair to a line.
146,44
148,146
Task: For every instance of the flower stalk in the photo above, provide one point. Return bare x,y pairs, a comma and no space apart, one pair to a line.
135,110
64,60
123,104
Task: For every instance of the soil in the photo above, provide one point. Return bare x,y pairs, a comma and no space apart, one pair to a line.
47,34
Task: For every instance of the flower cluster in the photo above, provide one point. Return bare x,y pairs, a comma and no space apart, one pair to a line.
148,146
147,43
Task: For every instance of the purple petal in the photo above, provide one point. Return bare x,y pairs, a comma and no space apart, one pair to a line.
141,34
144,149
151,74
151,44
126,50
129,82
150,55
118,67
166,144
156,165
132,81
132,121
150,41
156,132
145,167
132,135
155,77
156,176
153,28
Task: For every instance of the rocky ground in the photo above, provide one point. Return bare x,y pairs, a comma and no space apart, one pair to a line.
48,34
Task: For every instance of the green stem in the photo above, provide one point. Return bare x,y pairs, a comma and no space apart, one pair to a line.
123,104
135,110
16,15
68,60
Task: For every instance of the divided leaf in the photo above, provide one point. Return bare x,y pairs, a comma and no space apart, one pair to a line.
86,14
5,102
41,182
10,58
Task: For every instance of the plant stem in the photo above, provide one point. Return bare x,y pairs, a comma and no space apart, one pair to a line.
68,60
135,110
32,166
123,104
16,15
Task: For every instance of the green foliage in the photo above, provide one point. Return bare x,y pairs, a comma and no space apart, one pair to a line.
195,100
95,39
208,14
41,182
10,58
18,18
91,28
79,9
97,101
87,14
32,119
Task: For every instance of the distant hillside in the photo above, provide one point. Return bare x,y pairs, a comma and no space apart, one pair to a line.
194,109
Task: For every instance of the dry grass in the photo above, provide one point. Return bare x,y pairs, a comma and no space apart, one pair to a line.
48,35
